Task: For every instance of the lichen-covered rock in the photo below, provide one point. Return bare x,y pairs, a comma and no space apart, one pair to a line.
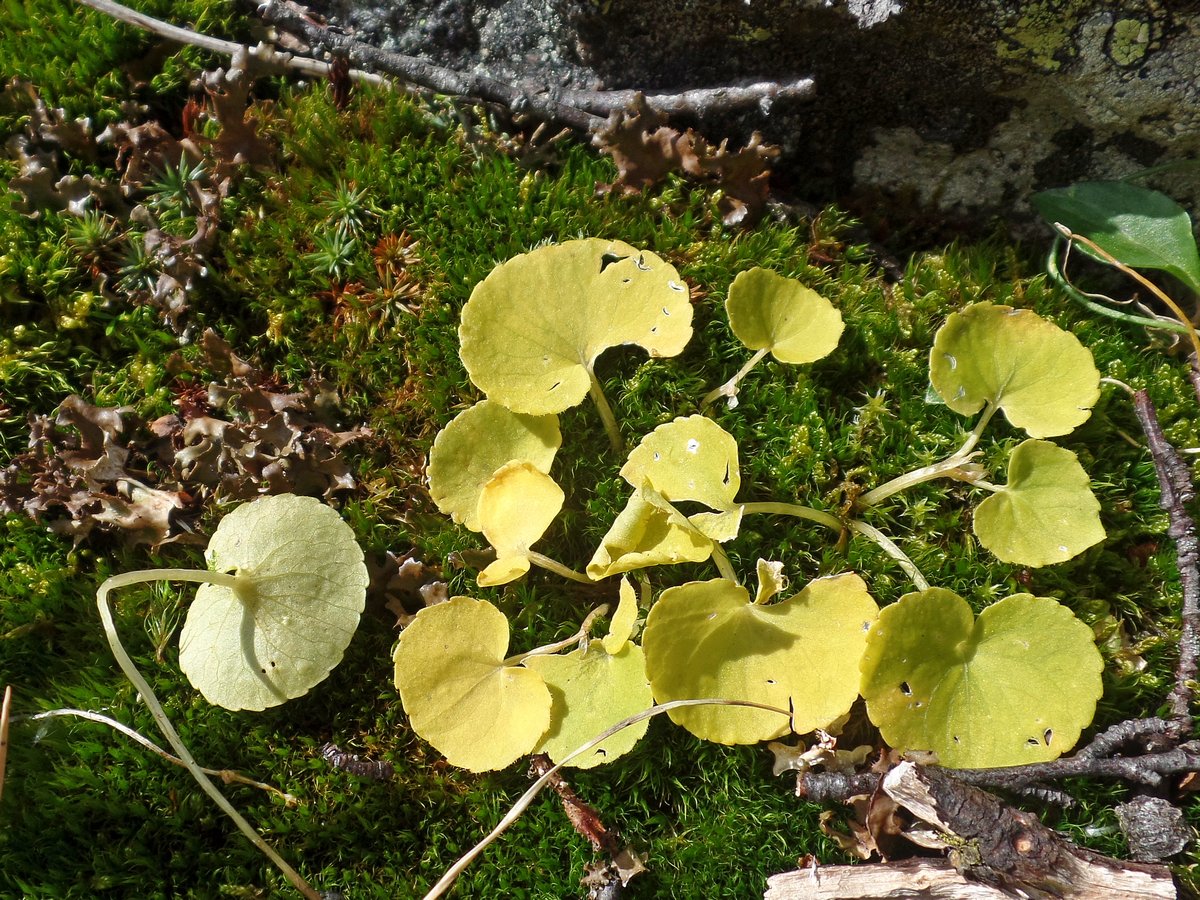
956,109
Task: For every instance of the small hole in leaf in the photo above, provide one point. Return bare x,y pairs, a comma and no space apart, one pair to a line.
626,280
264,671
693,445
1048,736
770,681
675,286
956,739
272,664
554,387
725,480
657,456
640,262
608,259
905,689
1032,742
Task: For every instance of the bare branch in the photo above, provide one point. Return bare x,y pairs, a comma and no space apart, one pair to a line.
1175,487
312,67
584,110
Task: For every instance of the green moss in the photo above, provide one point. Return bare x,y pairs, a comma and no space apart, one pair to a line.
110,820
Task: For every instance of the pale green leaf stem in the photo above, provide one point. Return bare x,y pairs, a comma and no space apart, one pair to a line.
233,582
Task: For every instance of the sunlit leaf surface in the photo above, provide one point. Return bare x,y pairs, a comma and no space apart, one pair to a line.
1046,513
1016,686
459,695
305,589
1042,378
533,328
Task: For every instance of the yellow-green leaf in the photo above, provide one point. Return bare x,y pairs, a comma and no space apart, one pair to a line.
647,534
1046,513
516,507
306,585
458,693
477,442
770,312
592,690
691,458
533,328
623,619
1042,377
1015,686
706,639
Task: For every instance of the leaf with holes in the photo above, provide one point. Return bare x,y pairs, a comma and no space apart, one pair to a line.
516,507
1042,377
533,328
706,639
1142,228
477,442
691,458
592,690
1015,686
770,312
1046,513
459,694
282,633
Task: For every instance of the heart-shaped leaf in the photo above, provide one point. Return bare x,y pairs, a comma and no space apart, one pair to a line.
516,507
592,690
1015,686
1046,513
305,587
532,330
770,312
1142,228
458,693
477,442
1041,376
706,639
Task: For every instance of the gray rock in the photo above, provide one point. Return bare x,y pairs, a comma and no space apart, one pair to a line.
957,109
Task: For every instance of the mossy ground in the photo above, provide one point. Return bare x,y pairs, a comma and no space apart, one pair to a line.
87,814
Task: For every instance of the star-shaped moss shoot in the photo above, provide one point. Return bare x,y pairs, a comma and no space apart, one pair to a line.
595,687
1046,513
477,442
516,507
706,639
1042,377
286,621
772,314
689,459
459,692
533,329
974,691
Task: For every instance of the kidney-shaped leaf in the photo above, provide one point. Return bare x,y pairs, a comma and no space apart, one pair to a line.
305,587
1140,227
770,312
533,328
516,507
691,458
706,639
591,691
458,693
1016,686
1041,376
477,442
1046,513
